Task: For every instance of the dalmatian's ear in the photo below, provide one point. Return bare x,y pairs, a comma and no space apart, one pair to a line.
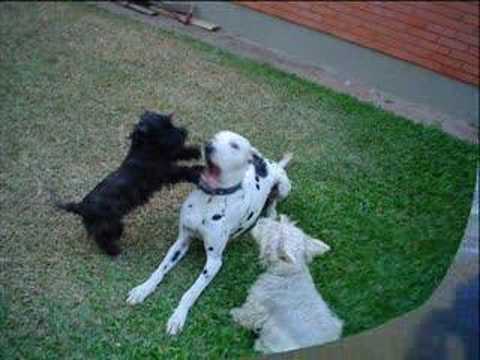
315,247
254,154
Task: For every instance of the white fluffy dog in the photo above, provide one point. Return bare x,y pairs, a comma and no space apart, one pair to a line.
283,307
234,189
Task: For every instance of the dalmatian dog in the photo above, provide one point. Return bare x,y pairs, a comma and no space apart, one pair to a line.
235,187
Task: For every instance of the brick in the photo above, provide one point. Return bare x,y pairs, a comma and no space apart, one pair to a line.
400,54
447,70
429,45
471,69
298,13
438,19
306,5
468,39
447,60
438,48
440,8
356,9
402,7
427,35
441,30
460,75
311,20
399,44
454,44
409,38
475,51
389,24
471,19
323,8
428,63
408,19
406,7
468,28
468,78
467,7
435,17
465,57
364,33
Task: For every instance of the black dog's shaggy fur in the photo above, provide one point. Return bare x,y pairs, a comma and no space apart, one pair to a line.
156,145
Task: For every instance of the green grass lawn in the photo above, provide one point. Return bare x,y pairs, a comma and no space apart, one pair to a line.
389,196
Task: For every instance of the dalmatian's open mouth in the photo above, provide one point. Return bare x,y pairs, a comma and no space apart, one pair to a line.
211,175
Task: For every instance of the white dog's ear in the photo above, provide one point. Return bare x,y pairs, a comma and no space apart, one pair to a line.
285,251
284,219
315,247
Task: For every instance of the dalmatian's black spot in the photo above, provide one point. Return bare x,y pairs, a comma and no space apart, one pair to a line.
257,179
175,256
164,267
250,216
203,222
210,248
257,186
190,206
209,200
260,166
216,217
205,272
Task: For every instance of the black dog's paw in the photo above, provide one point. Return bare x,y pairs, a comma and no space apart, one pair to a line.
196,152
196,172
191,152
112,249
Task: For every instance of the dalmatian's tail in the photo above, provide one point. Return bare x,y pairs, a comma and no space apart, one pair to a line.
285,160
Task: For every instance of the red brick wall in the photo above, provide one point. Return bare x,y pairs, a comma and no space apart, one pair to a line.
440,36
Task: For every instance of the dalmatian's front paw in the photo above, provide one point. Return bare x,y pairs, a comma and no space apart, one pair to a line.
139,293
176,322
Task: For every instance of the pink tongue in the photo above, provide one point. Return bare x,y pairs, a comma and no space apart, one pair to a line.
210,179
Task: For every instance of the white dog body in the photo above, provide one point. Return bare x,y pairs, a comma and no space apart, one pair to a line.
283,306
236,187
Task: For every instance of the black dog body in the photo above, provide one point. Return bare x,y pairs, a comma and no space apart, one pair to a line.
150,163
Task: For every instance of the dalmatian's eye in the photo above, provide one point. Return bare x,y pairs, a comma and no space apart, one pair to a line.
234,145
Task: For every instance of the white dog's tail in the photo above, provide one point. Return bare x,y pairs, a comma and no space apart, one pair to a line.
285,160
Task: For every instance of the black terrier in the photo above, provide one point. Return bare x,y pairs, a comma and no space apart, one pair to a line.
156,145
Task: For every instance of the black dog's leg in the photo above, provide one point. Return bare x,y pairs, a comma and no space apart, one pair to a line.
188,153
186,174
106,234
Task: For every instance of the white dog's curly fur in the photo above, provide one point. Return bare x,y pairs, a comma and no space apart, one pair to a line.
237,185
283,307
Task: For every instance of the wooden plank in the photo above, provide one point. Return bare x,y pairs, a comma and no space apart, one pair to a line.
141,9
176,6
186,19
204,24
